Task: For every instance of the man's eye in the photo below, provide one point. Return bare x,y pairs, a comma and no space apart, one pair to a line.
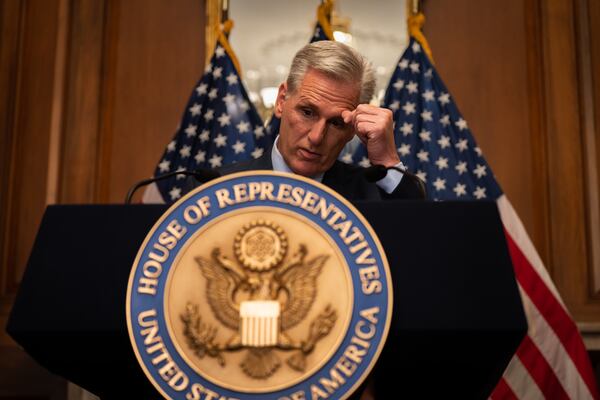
339,124
307,112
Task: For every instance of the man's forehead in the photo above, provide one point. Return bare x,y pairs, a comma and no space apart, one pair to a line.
317,88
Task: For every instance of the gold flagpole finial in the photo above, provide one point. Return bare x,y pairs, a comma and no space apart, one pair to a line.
416,20
415,7
324,17
223,37
224,10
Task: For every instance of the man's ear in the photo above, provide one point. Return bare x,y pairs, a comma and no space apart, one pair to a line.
280,99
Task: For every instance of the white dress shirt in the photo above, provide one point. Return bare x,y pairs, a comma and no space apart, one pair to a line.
388,183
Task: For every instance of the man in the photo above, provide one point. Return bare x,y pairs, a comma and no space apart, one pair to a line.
322,105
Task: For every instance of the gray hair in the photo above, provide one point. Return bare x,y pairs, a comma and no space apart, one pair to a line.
338,61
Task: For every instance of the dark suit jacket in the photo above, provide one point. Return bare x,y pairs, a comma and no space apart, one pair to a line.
347,180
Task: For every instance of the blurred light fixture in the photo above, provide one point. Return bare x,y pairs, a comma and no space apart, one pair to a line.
340,25
342,37
269,96
253,96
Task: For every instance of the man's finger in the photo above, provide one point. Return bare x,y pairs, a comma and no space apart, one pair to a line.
347,116
364,128
368,109
368,118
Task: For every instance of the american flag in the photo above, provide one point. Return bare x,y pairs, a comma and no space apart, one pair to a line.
322,31
435,142
219,126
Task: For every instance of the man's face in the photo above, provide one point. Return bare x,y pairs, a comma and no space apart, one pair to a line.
312,132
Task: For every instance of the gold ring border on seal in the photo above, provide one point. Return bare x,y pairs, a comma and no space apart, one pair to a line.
257,173
347,316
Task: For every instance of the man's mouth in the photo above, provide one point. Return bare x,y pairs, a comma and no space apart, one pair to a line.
308,155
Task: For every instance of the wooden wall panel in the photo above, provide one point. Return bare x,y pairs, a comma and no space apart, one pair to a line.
132,66
158,57
589,55
29,130
513,68
29,51
593,8
566,161
11,16
81,136
68,80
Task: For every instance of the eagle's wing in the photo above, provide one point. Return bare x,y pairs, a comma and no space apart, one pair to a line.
220,286
300,281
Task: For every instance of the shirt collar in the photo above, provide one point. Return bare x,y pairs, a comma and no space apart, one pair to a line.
280,165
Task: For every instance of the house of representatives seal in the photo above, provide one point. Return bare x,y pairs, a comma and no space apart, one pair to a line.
259,285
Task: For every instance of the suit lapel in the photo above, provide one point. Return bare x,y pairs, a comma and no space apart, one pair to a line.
264,161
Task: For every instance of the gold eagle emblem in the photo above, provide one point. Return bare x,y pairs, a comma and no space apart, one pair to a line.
259,297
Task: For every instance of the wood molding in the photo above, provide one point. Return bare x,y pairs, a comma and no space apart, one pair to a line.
537,121
590,332
81,134
594,25
33,50
58,100
589,96
11,37
106,104
569,253
29,130
213,19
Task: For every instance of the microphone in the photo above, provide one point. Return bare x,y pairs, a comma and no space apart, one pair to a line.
201,175
377,172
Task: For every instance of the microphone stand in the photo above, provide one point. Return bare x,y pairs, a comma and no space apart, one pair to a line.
201,177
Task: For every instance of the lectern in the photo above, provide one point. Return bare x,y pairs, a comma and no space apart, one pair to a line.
457,316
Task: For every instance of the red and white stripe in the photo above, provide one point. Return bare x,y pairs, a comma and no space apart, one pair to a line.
551,362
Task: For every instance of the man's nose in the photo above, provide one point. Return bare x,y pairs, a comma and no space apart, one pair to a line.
317,132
